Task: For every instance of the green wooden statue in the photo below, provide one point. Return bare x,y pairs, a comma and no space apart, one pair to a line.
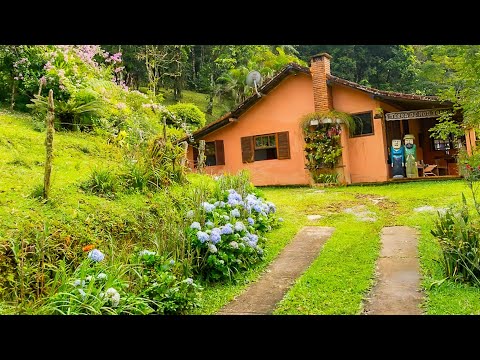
410,156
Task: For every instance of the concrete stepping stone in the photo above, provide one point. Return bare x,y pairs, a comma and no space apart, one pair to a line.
397,290
262,296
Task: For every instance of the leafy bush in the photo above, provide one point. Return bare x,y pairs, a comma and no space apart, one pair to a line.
188,113
459,238
159,281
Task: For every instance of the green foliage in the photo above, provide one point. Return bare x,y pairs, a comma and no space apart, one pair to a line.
326,178
93,289
188,113
386,67
72,114
158,280
102,181
322,146
458,235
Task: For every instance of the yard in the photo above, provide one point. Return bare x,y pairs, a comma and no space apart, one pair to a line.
338,280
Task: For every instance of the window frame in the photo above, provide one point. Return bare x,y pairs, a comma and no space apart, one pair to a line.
353,135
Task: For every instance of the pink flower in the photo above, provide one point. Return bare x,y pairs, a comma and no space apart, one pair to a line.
43,80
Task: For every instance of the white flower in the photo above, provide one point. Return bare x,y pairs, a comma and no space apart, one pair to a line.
102,276
113,296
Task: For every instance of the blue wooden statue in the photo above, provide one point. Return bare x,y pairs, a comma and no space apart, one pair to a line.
397,158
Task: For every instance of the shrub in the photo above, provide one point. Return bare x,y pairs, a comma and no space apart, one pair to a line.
159,281
101,182
187,112
459,238
93,289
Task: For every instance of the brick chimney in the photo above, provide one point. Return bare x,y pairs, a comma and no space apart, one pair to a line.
319,68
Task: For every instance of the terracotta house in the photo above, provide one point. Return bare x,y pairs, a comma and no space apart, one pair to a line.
264,133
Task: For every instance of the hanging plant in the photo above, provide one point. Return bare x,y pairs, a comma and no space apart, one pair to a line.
322,130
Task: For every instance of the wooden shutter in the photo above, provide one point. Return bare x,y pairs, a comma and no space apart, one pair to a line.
195,155
283,146
219,152
247,149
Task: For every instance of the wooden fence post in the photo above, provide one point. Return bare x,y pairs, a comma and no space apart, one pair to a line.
49,145
201,156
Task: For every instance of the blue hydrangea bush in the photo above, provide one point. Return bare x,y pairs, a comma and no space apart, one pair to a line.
227,233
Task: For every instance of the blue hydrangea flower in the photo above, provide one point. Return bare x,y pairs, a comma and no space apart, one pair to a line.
226,217
95,255
209,224
253,239
208,207
232,202
195,225
212,248
219,204
202,236
239,226
259,250
234,244
250,221
215,236
171,262
189,281
271,207
257,207
235,213
227,229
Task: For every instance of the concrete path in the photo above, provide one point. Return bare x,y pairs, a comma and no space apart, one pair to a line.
262,296
397,291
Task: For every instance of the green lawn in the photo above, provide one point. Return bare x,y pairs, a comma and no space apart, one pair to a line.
340,277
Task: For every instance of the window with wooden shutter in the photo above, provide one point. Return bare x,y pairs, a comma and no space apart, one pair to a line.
283,145
219,152
247,149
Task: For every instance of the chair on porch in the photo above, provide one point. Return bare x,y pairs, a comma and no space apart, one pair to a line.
442,166
428,170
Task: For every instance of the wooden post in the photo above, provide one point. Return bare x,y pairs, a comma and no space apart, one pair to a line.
201,156
12,101
184,160
49,145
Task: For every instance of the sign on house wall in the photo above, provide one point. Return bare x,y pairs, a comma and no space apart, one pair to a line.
414,114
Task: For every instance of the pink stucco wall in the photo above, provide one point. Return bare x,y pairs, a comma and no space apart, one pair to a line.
280,110
366,160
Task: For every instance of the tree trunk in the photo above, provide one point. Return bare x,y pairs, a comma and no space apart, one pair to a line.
12,102
49,145
177,88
